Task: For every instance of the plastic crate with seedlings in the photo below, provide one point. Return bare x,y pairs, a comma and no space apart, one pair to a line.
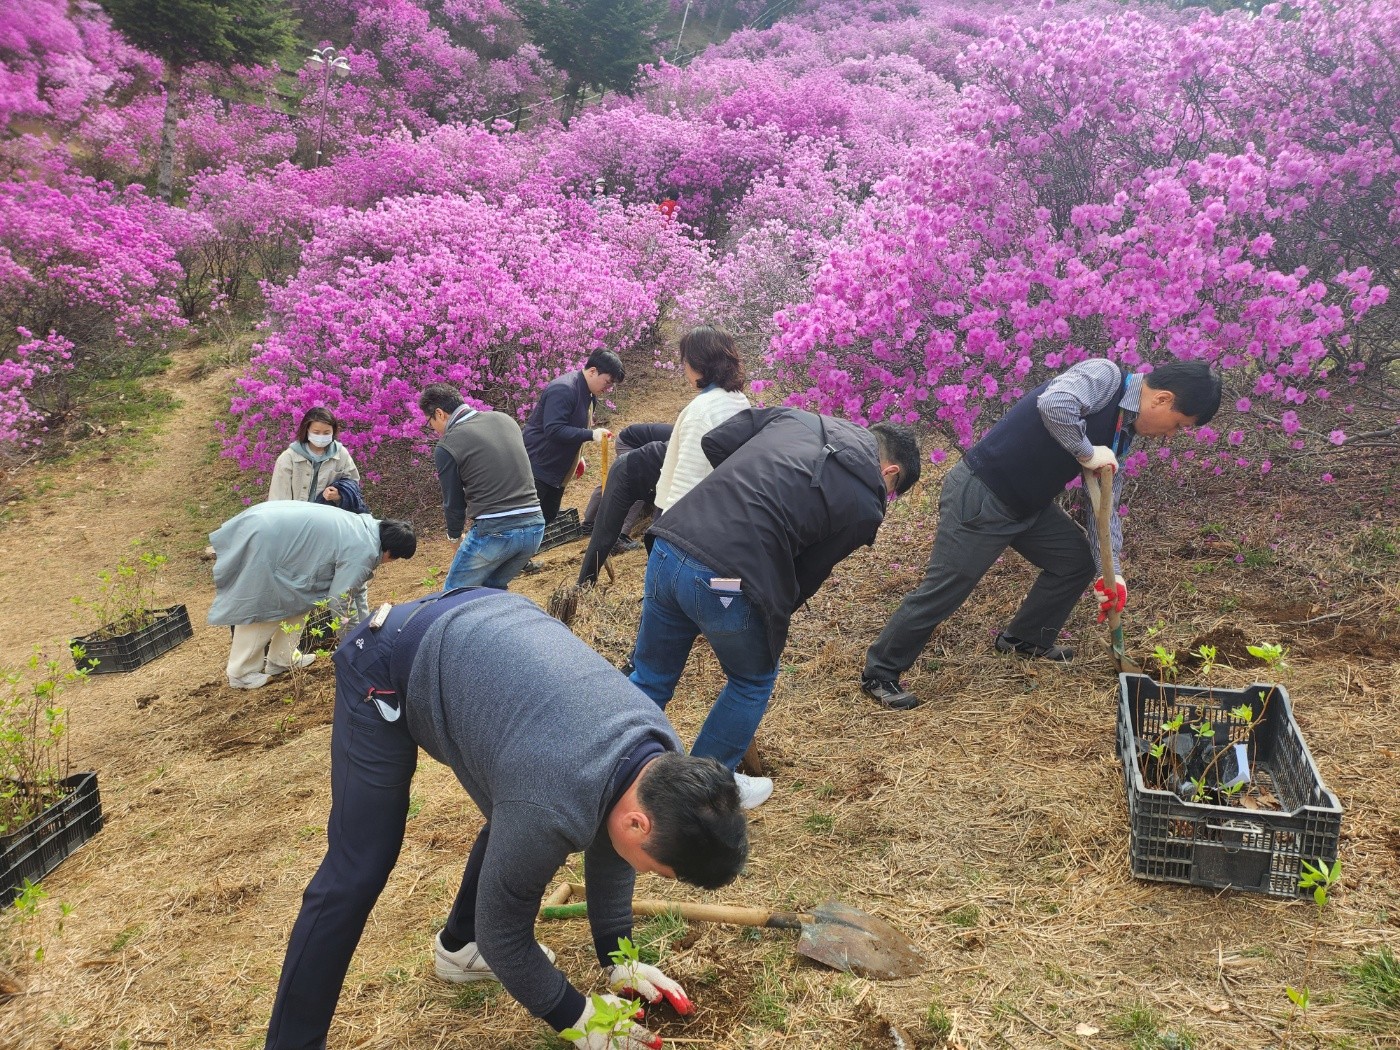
1222,790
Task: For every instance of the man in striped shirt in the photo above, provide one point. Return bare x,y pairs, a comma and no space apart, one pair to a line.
1002,494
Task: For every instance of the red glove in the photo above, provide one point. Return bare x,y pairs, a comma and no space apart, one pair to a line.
582,466
641,979
1114,600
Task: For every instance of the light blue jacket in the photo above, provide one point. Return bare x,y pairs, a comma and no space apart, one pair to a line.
276,560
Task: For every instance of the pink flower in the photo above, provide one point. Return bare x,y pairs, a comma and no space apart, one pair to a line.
1337,437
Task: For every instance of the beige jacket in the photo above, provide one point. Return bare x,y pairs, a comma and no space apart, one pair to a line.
297,476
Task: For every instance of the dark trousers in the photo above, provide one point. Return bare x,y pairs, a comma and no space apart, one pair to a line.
619,505
550,497
372,764
974,529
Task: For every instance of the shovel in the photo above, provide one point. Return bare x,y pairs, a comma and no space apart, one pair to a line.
833,934
1100,491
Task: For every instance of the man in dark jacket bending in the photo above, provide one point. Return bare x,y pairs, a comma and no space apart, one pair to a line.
792,493
631,489
560,753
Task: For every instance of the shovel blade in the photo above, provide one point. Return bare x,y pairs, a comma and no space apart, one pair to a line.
848,939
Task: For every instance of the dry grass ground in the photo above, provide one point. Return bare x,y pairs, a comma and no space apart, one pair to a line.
989,823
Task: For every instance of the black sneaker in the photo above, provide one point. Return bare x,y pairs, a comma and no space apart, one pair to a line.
888,694
1030,651
625,545
585,528
530,568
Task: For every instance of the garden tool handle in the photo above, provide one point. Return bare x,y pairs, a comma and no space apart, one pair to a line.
728,914
1100,489
606,459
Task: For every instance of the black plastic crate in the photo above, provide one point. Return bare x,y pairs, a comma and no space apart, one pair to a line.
564,528
129,651
51,837
1226,846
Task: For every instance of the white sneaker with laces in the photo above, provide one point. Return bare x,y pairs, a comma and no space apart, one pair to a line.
299,659
753,791
465,965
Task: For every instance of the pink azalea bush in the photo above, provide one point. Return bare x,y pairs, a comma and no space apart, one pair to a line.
87,276
1114,190
494,298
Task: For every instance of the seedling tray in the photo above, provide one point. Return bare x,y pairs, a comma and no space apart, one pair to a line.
564,528
129,651
1227,846
51,837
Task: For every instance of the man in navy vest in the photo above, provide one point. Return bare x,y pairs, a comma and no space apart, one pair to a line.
1002,494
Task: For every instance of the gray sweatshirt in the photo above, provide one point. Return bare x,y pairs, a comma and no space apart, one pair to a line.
536,726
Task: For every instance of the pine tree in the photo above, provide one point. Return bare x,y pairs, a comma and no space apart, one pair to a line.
183,33
597,43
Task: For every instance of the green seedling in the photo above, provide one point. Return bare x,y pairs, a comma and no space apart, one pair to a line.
611,1019
1275,656
1166,662
126,599
1206,654
1321,879
33,738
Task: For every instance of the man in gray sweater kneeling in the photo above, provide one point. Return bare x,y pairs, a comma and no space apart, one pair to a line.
561,753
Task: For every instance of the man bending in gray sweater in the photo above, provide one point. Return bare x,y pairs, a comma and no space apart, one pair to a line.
560,752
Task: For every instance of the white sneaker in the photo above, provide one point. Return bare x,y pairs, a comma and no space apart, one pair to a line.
753,791
299,659
255,681
465,965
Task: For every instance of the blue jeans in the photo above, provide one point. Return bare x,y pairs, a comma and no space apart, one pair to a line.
494,551
677,605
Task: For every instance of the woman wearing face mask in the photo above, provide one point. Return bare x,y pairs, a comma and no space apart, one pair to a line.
313,461
309,468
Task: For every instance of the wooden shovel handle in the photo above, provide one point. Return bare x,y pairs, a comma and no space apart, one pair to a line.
729,914
1101,496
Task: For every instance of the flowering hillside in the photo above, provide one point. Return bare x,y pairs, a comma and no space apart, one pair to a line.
909,211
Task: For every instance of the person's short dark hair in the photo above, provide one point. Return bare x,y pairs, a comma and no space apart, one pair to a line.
1194,385
899,446
397,539
697,827
608,363
317,415
436,396
712,353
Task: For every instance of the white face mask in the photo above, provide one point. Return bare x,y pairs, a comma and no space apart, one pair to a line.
320,440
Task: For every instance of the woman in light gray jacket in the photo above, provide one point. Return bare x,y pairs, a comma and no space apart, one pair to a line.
314,460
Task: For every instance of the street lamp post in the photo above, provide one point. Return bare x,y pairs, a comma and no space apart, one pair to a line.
685,15
332,65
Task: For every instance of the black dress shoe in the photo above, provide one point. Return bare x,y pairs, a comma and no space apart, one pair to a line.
888,694
1030,651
